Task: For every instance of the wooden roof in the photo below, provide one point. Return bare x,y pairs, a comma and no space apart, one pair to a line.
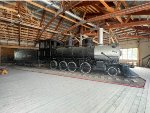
25,22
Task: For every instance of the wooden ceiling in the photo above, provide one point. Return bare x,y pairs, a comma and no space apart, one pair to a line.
25,22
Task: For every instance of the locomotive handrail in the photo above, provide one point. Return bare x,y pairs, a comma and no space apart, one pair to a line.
148,63
106,55
144,59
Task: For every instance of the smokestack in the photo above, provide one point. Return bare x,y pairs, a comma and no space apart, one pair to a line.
100,36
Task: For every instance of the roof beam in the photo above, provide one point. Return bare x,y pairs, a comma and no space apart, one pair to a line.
8,9
91,34
126,6
131,24
121,12
145,12
112,36
101,9
20,47
87,3
45,27
124,31
61,11
72,4
114,14
56,28
29,25
53,12
133,36
143,28
41,22
111,10
127,39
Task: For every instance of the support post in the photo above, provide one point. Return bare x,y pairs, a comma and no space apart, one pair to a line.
0,55
19,26
19,30
80,40
139,53
100,36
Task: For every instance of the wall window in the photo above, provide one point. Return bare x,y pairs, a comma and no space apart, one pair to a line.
129,54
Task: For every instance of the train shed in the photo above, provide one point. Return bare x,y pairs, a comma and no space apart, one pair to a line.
75,56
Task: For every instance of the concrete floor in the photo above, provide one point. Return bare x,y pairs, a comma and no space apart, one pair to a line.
32,92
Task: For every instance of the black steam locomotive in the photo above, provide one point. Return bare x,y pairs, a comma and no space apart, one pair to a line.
68,57
85,58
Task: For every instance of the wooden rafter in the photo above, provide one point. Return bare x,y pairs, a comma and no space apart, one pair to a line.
27,29
28,25
128,18
133,36
63,38
41,22
8,9
112,37
142,28
71,5
45,27
53,12
146,12
90,15
100,9
133,30
131,24
111,10
57,26
86,3
122,12
20,47
124,31
114,14
91,34
118,8
126,6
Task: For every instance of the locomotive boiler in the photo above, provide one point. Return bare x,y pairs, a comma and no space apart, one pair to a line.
98,52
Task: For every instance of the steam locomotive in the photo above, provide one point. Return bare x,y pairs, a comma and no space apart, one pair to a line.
68,57
85,58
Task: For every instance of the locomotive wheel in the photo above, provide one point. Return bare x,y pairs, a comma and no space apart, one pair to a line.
53,64
72,66
63,65
85,67
112,71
